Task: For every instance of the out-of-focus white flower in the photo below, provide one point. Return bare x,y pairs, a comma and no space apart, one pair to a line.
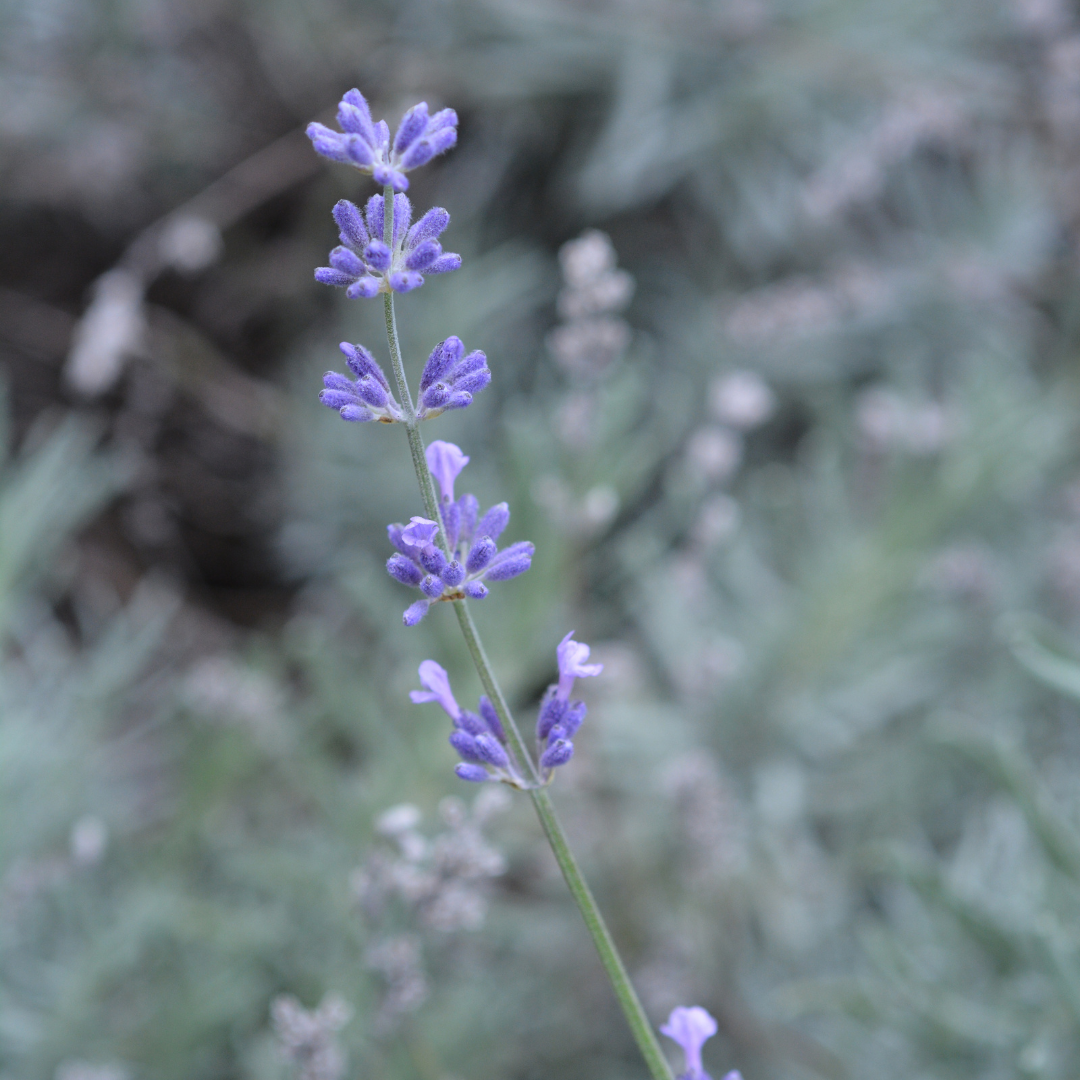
308,1038
89,839
717,521
742,399
111,331
189,243
714,452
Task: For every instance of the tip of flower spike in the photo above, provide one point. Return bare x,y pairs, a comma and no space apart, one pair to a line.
415,612
445,462
558,753
475,774
691,1028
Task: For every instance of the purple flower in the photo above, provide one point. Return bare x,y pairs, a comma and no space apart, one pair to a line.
450,378
691,1028
436,685
445,461
477,736
367,146
572,656
366,263
559,717
367,397
472,555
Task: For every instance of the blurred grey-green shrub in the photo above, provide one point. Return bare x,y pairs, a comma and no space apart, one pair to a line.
828,788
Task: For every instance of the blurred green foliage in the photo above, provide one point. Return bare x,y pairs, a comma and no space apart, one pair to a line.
829,787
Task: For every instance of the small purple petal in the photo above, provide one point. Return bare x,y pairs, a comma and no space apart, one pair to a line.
372,393
453,574
402,215
424,255
476,589
444,264
436,684
437,365
690,1028
511,562
359,151
445,462
351,224
573,718
469,509
329,276
451,516
465,745
415,612
354,115
491,751
382,135
373,215
413,124
377,256
404,570
491,718
473,362
444,118
394,533
362,363
433,559
419,154
494,521
420,532
431,587
475,774
405,281
470,722
481,553
552,710
572,657
330,144
431,225
435,396
365,288
348,262
337,399
472,383
334,380
558,753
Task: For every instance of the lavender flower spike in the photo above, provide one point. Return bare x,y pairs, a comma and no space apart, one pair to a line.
366,145
472,556
691,1028
450,378
572,656
367,397
366,263
479,743
559,717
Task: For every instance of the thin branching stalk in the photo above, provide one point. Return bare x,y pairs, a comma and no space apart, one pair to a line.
579,889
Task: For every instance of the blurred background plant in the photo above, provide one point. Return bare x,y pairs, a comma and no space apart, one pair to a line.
780,304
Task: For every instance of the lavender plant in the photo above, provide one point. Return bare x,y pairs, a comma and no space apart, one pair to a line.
450,552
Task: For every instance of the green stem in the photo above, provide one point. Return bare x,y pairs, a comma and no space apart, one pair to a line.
579,889
575,880
412,426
